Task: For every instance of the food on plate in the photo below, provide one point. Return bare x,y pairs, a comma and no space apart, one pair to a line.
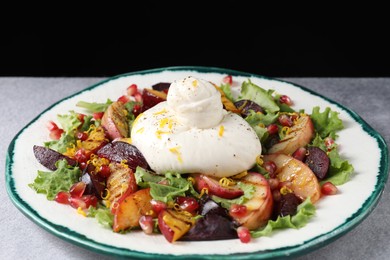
193,160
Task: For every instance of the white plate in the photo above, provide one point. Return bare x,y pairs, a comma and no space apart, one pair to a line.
335,215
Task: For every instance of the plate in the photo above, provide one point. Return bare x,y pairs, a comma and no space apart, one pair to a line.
353,204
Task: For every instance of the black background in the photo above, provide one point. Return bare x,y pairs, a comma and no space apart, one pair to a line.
256,39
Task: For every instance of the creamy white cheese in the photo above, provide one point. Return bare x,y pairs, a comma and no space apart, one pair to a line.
192,133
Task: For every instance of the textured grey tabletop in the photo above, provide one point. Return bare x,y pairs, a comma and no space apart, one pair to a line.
22,99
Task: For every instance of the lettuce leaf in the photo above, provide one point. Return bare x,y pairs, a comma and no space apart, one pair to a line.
340,170
226,88
258,95
326,123
258,121
248,189
69,122
50,183
66,140
94,107
175,185
102,214
305,211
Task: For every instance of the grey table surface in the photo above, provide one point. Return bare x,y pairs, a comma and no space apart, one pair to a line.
23,98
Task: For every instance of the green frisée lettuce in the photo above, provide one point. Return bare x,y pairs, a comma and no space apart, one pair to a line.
102,214
305,211
248,190
93,106
165,187
258,95
50,183
326,123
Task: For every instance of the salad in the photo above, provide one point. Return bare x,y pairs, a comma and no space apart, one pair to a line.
193,161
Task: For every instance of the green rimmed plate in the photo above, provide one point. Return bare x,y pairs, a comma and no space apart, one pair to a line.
63,222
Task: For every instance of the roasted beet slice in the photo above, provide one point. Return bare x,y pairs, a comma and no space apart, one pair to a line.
162,86
216,224
287,205
95,183
318,161
48,157
123,152
246,105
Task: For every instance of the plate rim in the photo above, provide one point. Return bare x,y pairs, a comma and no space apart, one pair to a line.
308,246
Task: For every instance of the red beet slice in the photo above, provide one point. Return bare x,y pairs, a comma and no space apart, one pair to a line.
48,157
318,161
123,152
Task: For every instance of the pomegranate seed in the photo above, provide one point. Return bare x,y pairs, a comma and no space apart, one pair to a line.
285,120
272,129
329,188
329,142
188,204
83,165
80,117
56,134
51,126
90,200
158,206
284,99
147,224
237,210
270,167
77,202
136,109
300,153
82,136
77,189
98,115
244,234
81,156
138,97
273,183
228,79
132,89
104,171
62,197
124,99
83,202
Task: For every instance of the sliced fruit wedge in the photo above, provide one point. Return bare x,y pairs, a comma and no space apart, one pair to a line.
298,135
296,176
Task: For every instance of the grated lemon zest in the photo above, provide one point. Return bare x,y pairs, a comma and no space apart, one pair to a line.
81,211
284,190
221,130
240,175
140,131
160,112
226,182
259,160
203,191
175,150
136,120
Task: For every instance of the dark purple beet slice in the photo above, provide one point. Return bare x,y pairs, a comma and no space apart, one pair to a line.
161,86
123,152
216,224
318,161
246,105
95,183
48,157
288,205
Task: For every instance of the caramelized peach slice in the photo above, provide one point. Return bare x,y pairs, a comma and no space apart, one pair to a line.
299,135
296,175
131,209
115,122
259,208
